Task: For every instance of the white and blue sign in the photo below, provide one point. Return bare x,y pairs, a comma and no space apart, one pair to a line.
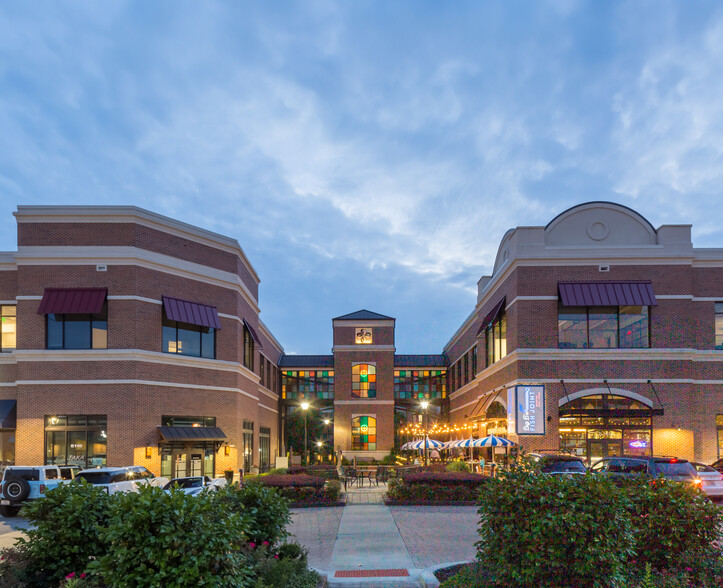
530,410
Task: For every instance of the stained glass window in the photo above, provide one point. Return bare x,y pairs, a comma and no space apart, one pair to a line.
364,433
364,380
420,384
297,384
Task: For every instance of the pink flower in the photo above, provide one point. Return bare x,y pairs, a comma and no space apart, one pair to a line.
82,575
688,569
276,557
265,543
252,545
70,575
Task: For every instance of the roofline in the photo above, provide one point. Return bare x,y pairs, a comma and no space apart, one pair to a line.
635,212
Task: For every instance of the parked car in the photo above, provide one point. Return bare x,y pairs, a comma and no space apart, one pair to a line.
68,472
120,479
671,468
718,465
23,483
711,481
560,464
196,484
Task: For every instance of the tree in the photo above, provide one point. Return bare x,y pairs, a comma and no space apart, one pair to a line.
316,430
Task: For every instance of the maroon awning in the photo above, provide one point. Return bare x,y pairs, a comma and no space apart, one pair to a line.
607,294
193,313
72,300
492,315
254,336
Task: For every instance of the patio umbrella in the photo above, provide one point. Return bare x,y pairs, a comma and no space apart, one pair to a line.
430,443
493,441
450,444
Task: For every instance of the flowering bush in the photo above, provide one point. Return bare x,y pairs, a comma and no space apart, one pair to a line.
265,507
419,491
446,479
288,480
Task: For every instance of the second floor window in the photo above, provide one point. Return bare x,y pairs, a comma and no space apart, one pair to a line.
603,327
8,327
248,349
188,339
364,380
496,339
78,331
719,325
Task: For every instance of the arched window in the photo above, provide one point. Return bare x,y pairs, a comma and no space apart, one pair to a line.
364,433
364,380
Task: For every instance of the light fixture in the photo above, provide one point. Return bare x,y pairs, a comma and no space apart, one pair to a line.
319,443
304,406
227,450
326,421
149,452
425,404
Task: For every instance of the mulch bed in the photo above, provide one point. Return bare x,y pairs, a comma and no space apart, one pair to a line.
444,574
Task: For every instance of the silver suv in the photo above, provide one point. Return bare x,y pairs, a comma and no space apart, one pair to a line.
671,468
122,479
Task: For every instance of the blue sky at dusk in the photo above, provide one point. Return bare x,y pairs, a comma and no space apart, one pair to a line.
364,154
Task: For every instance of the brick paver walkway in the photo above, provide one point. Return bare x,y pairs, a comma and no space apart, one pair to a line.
367,535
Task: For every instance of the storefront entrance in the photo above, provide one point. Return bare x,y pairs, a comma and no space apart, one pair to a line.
606,425
189,451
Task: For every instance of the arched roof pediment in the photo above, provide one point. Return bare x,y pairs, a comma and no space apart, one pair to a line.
600,224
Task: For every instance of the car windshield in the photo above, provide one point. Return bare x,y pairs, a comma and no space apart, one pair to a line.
562,466
707,469
675,468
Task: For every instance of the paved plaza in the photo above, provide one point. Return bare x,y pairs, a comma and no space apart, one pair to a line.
367,535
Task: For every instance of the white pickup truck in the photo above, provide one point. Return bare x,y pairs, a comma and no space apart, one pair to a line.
23,483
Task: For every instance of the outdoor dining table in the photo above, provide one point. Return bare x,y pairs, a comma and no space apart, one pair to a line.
365,472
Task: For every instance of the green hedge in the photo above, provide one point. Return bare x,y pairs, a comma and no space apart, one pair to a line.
400,490
540,530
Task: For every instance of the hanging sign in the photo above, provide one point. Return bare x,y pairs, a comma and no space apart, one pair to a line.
529,410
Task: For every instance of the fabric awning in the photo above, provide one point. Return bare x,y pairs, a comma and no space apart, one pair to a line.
254,336
607,294
492,315
192,313
72,300
191,434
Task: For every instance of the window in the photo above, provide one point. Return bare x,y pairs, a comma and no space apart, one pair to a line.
262,367
719,426
415,384
76,440
474,361
364,433
248,438
496,339
718,325
77,331
364,380
265,448
8,327
465,369
8,423
603,327
248,349
268,374
188,421
306,384
188,339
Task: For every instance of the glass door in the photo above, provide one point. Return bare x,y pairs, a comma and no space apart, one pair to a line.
180,464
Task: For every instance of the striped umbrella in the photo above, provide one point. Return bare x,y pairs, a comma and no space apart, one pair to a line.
450,444
493,441
465,443
430,443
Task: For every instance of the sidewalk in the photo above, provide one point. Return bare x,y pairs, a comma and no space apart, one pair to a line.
367,538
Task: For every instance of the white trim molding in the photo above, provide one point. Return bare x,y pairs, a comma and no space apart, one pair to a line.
618,391
362,347
364,401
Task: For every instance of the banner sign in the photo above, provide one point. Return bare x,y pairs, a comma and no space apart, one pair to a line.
529,410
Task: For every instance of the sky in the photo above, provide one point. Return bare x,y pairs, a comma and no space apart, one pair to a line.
366,154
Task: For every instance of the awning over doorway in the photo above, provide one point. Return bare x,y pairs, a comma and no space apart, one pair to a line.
72,300
192,313
607,294
191,434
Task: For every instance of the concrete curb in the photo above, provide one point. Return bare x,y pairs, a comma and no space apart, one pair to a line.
427,577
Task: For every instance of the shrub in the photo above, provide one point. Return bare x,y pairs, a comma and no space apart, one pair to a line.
326,472
675,526
457,466
282,571
399,490
285,481
13,567
277,471
171,539
66,532
446,479
469,576
538,529
266,509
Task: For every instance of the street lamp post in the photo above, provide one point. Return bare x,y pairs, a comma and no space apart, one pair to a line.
305,408
425,406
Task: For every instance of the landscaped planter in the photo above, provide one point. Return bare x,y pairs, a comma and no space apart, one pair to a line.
303,490
436,488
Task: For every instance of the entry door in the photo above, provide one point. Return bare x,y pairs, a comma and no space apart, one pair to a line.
180,464
599,448
196,464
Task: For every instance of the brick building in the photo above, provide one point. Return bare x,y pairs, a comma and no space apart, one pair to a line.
128,337
620,322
